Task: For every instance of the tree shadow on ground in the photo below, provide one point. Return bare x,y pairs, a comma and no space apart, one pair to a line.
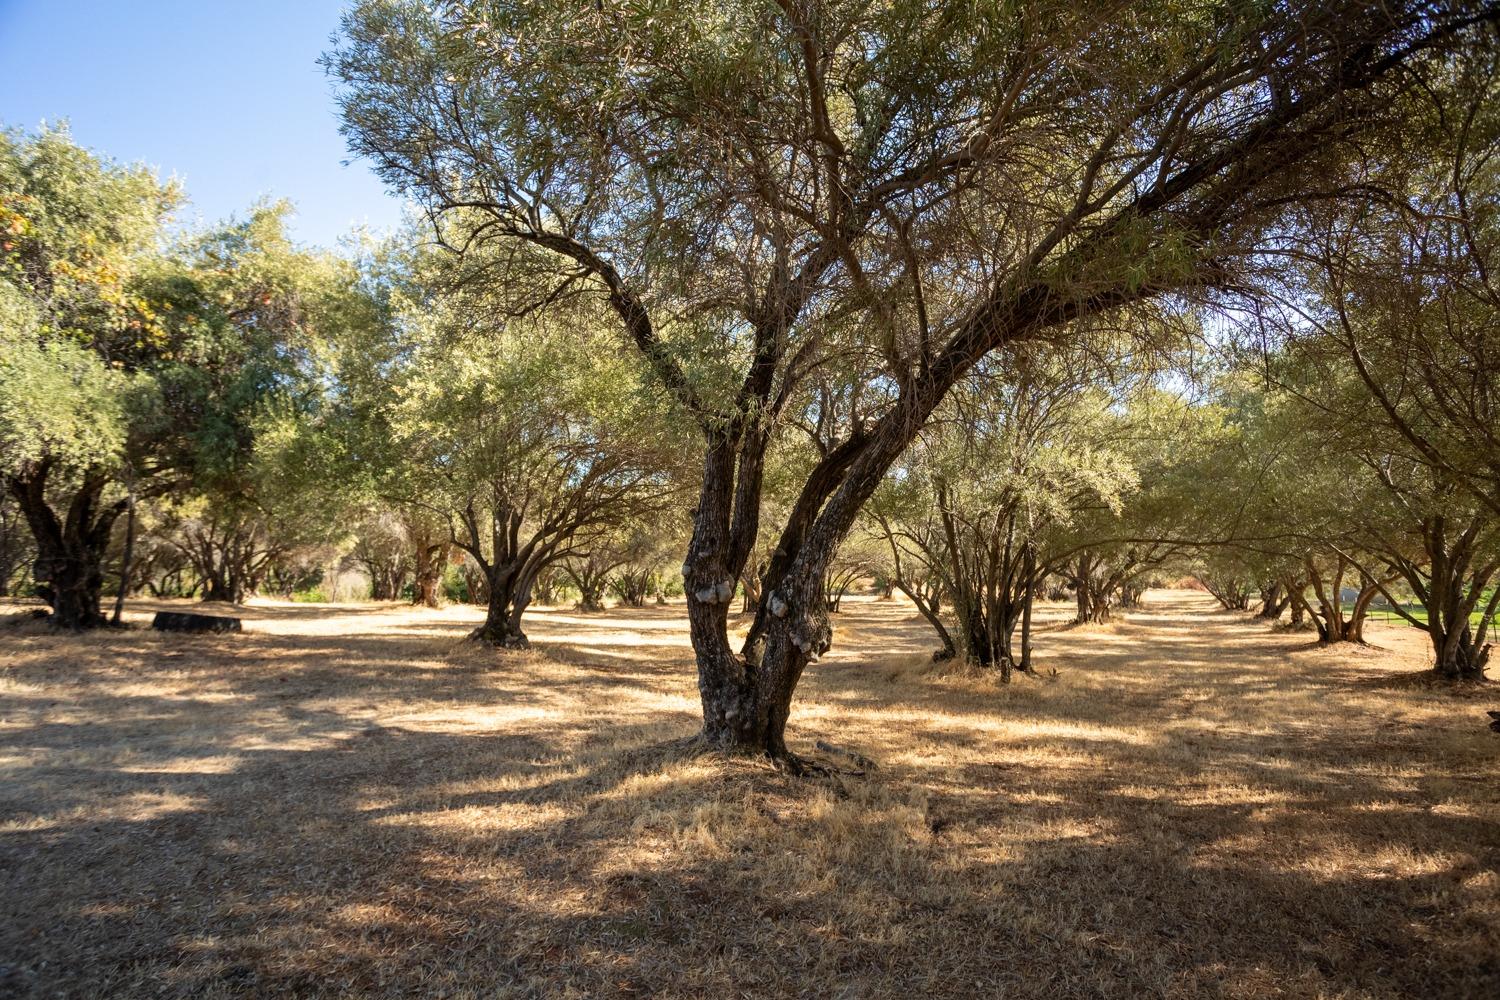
397,815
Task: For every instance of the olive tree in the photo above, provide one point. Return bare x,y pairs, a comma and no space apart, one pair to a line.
131,366
752,188
1388,316
520,441
985,506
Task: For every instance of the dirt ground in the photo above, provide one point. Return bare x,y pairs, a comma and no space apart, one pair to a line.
349,801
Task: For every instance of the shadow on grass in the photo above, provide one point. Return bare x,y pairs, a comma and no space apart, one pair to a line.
399,815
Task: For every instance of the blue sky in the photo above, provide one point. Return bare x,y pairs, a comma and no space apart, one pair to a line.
226,94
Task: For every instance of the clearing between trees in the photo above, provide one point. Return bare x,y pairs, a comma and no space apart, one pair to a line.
349,800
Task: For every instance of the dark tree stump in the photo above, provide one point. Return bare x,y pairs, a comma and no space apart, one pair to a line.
182,621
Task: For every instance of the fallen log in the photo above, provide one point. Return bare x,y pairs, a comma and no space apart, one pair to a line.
183,621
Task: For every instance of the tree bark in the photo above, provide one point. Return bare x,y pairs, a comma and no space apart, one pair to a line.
509,596
1274,598
747,700
69,565
430,551
216,588
126,556
429,576
1030,599
1451,583
729,685
1332,623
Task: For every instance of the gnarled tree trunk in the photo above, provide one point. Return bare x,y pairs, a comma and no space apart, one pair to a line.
590,574
633,585
1451,583
1274,598
431,559
1091,593
510,587
1332,622
69,564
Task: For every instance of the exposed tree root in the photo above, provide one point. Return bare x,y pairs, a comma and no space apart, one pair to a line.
785,761
509,641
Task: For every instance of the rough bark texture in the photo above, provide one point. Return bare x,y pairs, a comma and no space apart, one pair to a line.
69,564
1326,610
1450,582
510,587
1274,598
728,684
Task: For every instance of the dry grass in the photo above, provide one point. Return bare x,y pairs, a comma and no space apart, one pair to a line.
349,802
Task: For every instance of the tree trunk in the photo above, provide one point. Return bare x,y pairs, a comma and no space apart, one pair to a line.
73,582
69,565
1274,599
632,586
1092,595
729,685
509,597
1452,590
1093,607
382,587
431,559
797,633
546,586
1332,623
218,589
125,557
747,700
929,605
425,591
476,583
1029,569
1457,657
750,582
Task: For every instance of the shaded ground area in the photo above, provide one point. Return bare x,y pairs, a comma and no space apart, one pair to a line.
350,802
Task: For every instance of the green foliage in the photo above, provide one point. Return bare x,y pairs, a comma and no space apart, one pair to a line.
58,400
78,328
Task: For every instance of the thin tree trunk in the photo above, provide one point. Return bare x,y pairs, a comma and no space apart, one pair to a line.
129,551
1029,569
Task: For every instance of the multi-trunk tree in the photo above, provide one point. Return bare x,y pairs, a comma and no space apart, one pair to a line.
753,192
518,440
1388,313
987,505
381,552
133,366
81,353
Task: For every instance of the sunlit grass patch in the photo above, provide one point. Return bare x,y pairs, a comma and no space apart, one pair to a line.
360,804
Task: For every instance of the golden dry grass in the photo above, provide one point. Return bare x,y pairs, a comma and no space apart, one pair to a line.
350,802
